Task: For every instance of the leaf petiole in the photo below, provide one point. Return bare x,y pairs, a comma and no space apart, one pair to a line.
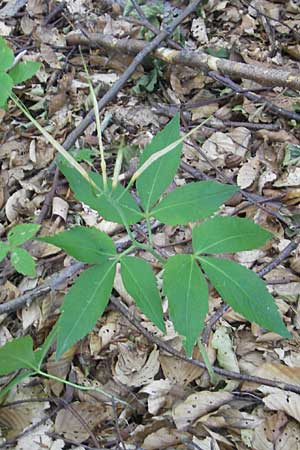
82,388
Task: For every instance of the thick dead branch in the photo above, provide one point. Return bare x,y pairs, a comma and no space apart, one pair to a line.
195,59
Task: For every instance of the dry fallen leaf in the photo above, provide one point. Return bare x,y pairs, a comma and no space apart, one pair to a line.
197,405
135,367
277,399
69,425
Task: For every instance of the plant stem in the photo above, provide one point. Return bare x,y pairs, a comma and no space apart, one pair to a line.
98,124
149,230
118,166
212,375
148,248
82,388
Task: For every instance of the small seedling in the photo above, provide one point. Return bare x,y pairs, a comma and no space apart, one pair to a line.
12,74
21,260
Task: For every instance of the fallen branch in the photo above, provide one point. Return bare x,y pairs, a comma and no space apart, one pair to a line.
195,59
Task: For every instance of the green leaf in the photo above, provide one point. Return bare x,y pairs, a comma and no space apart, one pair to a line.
228,234
41,352
22,233
245,292
6,84
187,292
192,202
84,244
4,249
157,177
139,280
84,304
17,354
23,71
23,262
6,56
115,205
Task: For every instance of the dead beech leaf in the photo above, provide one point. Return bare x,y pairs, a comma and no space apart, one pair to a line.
276,399
279,372
60,208
161,392
228,416
181,372
70,427
163,438
241,138
289,438
13,205
197,405
134,367
248,173
218,144
199,30
225,354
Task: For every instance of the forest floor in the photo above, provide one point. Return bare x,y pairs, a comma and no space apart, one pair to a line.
250,138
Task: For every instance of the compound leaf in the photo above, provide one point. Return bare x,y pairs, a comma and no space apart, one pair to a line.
228,234
4,249
192,202
84,304
17,354
23,71
6,84
22,233
187,292
85,244
139,280
23,262
115,205
157,177
6,56
245,292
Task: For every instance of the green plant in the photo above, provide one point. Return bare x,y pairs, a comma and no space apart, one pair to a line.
185,275
12,74
19,257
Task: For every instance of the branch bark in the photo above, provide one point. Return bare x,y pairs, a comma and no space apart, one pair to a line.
195,59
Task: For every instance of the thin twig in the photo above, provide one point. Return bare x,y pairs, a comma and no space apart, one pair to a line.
254,97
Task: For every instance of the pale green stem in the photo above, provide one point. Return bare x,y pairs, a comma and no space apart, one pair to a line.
151,250
149,230
210,370
72,161
82,388
117,169
98,124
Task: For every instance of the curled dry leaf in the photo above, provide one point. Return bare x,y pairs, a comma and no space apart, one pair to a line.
197,405
60,208
162,392
134,367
